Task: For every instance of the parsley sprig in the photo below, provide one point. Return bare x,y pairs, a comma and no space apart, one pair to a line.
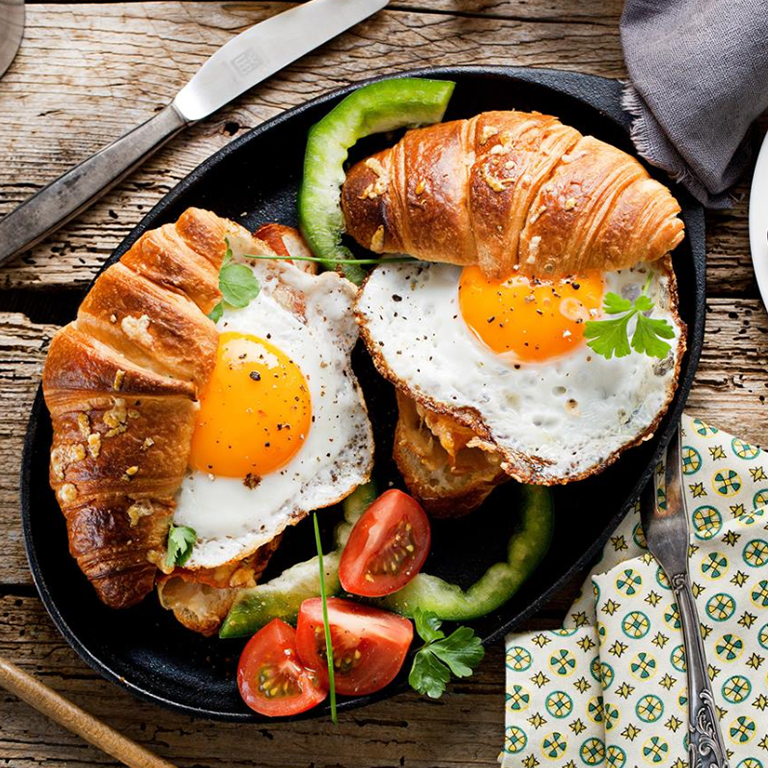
181,541
459,653
610,337
237,283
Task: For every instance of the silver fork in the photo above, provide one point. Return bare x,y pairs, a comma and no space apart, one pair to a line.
666,532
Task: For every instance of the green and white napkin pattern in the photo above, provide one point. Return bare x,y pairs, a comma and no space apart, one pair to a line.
610,688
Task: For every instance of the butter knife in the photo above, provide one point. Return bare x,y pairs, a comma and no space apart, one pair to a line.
236,67
666,532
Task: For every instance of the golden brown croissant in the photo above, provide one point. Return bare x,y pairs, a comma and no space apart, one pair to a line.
507,189
121,383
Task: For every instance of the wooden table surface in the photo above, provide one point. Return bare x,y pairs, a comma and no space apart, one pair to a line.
89,71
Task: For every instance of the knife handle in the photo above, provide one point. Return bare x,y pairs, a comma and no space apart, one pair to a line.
706,748
61,200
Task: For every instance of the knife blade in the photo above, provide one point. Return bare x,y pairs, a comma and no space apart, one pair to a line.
266,48
236,67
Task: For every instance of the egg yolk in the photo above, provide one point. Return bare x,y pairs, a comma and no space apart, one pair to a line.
255,413
531,320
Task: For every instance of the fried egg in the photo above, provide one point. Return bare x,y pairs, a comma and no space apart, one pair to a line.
508,359
282,427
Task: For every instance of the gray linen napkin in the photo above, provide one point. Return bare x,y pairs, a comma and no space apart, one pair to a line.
698,79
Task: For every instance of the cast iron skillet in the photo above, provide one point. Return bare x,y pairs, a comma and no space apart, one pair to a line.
254,180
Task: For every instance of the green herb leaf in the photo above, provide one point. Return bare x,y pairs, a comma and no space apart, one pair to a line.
609,337
216,313
613,304
428,674
460,653
648,336
428,625
326,626
181,541
238,285
644,303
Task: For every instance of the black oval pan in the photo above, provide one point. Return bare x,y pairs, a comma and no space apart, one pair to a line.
144,649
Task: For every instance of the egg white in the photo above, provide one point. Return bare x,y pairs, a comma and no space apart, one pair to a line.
232,520
553,421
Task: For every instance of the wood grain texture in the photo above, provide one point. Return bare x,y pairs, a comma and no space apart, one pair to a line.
130,58
22,350
89,71
122,62
45,700
405,731
606,12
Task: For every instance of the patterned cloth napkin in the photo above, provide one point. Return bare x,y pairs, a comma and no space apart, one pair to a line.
610,687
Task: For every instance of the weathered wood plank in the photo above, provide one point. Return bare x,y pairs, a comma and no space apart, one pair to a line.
731,387
61,102
729,264
22,350
730,391
402,731
607,12
88,73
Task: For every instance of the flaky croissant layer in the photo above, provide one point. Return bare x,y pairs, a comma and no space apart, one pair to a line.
508,190
121,383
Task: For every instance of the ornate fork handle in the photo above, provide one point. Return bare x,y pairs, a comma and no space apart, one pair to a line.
705,748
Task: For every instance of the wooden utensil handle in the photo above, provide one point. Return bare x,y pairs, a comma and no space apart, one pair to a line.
64,712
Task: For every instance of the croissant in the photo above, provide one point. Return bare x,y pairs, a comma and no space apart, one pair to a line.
121,383
508,190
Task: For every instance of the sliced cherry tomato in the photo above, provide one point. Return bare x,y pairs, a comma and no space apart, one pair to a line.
387,546
271,678
369,645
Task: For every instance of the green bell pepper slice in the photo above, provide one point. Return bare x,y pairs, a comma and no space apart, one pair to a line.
375,108
525,551
282,597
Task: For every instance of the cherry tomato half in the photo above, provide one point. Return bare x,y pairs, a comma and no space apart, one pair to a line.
369,645
271,678
387,546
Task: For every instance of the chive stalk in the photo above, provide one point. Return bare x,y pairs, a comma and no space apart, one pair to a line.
326,626
387,260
